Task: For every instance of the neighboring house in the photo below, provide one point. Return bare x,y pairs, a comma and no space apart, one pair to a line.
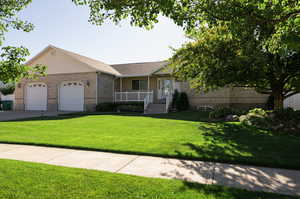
79,83
10,97
293,102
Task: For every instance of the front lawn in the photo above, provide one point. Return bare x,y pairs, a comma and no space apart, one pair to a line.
174,135
24,180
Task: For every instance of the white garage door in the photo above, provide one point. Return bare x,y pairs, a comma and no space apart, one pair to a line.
36,97
293,102
71,96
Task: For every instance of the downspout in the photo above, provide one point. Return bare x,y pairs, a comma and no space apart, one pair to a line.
114,94
97,86
148,83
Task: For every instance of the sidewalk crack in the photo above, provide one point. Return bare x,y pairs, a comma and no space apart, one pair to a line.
127,164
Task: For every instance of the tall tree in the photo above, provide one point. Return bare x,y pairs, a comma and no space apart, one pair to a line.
12,59
255,42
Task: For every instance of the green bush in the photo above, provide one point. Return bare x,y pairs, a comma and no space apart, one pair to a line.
175,99
120,106
286,120
130,108
259,112
287,114
222,112
106,107
182,104
7,89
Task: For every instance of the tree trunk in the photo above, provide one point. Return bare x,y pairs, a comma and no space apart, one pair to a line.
278,100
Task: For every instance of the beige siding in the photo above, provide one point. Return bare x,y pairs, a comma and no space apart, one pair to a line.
105,88
53,83
234,97
59,63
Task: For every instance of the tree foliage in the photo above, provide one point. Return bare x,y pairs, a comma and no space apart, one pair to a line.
142,13
249,43
12,59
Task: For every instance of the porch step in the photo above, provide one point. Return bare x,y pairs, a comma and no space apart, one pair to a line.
156,109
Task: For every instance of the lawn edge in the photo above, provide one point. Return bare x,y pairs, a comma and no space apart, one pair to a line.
235,162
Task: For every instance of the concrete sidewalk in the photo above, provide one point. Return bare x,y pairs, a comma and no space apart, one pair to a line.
246,177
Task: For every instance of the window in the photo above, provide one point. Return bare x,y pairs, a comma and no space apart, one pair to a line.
139,85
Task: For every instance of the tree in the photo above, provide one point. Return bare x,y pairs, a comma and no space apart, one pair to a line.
217,58
249,43
12,59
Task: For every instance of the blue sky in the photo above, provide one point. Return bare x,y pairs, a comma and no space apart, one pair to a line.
61,23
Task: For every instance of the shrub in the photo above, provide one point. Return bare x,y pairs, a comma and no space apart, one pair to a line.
222,112
286,120
106,107
120,106
130,108
182,103
259,112
175,99
7,89
254,120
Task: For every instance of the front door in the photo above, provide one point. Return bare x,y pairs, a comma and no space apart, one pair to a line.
165,86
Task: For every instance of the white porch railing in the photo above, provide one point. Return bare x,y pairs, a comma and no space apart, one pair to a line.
138,96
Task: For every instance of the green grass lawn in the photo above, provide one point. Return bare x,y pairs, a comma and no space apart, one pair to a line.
22,180
175,135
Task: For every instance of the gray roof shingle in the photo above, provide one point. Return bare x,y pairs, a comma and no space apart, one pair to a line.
136,69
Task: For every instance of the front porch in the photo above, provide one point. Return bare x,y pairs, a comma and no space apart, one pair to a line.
155,91
136,89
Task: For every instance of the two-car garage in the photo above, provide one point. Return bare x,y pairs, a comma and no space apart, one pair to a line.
70,96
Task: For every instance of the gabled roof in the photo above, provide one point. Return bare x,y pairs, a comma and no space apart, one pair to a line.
139,69
92,63
120,70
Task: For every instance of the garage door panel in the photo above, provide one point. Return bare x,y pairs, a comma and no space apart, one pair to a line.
36,97
71,96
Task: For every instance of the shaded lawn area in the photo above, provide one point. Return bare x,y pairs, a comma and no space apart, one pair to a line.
32,181
173,135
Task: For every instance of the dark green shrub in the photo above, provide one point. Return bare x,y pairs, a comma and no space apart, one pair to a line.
286,120
7,89
120,106
182,104
175,98
256,117
286,114
222,112
130,108
106,107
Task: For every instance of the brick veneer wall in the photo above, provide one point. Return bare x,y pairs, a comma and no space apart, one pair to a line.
53,83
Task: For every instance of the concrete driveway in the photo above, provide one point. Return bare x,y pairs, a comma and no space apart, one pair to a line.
11,115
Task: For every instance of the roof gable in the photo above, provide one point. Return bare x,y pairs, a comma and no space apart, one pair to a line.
62,61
